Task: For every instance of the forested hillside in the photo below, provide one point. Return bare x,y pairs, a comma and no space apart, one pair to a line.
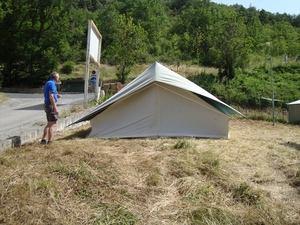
39,36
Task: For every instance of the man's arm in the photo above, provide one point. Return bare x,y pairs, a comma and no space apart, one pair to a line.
53,103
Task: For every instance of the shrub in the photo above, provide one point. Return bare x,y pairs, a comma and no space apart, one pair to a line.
67,67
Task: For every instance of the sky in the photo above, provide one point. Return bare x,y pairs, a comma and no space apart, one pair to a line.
291,7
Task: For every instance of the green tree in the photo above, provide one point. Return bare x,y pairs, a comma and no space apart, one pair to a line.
152,17
266,17
231,44
255,29
285,39
194,28
177,5
106,18
33,36
74,47
128,45
4,8
90,5
296,21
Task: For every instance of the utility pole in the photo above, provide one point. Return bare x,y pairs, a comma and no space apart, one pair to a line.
272,82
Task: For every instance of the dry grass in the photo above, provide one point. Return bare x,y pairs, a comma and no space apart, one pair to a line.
108,73
75,109
3,98
253,178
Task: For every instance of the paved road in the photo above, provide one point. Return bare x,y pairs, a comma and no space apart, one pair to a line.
24,112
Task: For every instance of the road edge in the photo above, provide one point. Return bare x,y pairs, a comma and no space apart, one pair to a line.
62,124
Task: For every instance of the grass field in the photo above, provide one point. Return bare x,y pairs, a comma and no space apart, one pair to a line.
252,178
108,73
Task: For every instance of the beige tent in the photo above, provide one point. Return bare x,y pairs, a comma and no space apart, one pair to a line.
160,103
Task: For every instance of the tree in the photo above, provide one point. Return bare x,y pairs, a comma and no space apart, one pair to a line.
33,36
285,40
128,45
75,45
266,17
231,44
91,5
194,28
178,5
152,17
4,8
106,18
296,21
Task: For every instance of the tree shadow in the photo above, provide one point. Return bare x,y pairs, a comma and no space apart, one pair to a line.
292,145
36,107
82,133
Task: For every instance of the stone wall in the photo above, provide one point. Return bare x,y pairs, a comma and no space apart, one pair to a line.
22,90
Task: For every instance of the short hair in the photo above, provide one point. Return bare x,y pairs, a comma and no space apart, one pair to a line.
54,74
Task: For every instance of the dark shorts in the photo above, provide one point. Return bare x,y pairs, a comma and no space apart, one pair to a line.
50,114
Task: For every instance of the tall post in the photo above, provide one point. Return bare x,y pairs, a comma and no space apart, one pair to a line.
86,79
272,83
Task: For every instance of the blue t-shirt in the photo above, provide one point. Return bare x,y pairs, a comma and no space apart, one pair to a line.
50,86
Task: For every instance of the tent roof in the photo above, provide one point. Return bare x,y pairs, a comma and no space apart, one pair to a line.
159,73
294,103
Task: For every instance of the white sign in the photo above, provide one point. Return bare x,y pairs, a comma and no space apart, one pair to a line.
93,51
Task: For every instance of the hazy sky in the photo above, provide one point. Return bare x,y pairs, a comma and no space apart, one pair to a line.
281,6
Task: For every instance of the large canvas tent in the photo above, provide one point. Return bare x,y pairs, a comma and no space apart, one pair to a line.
160,103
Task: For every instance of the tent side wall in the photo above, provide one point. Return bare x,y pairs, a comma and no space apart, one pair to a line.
183,113
294,113
160,110
132,116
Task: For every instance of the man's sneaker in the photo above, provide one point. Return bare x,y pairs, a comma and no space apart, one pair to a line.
49,142
43,142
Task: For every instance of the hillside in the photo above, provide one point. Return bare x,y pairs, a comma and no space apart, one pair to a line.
252,178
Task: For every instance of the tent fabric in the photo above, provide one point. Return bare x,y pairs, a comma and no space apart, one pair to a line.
294,103
160,103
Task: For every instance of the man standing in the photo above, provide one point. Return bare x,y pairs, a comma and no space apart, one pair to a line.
50,107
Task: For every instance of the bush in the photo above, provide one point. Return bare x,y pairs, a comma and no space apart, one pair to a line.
67,67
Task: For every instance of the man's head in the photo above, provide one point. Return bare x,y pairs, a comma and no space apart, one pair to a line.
54,76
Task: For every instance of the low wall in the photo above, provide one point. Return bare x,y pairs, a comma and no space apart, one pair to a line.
22,90
33,135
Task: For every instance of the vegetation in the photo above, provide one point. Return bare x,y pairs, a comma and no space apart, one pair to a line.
40,36
128,47
250,87
3,98
68,67
33,40
253,178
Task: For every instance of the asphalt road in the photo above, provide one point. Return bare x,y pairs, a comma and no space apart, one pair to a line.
24,112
